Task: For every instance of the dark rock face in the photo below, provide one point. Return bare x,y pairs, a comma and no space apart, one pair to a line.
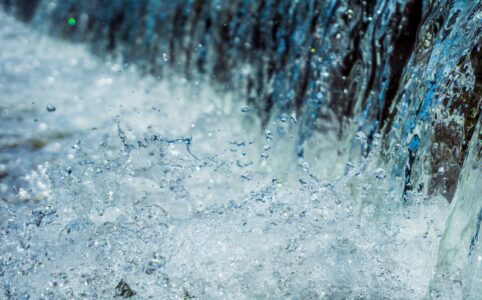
407,69
24,9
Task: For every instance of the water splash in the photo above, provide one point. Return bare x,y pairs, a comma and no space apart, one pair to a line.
208,205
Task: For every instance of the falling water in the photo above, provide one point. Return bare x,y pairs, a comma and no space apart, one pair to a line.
240,149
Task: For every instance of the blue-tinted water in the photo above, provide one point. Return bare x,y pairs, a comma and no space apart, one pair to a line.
305,151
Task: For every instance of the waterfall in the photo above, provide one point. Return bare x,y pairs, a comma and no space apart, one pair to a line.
384,96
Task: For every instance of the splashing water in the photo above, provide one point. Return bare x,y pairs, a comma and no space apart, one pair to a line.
135,187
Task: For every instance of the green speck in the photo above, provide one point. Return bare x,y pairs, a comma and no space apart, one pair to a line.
72,21
312,50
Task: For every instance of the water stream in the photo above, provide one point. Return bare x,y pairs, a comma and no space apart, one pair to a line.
142,172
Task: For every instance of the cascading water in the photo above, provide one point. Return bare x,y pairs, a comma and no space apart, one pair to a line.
241,149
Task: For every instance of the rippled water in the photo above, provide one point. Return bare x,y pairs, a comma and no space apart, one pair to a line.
117,184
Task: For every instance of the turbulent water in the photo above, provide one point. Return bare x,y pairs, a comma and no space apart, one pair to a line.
151,172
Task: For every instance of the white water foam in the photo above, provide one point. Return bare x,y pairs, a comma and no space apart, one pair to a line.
118,184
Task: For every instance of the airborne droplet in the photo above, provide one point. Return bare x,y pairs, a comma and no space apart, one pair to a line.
51,108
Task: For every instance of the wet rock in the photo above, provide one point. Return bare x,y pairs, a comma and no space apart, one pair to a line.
123,290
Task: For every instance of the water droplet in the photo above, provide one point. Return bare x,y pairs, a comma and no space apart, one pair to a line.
284,117
157,262
268,135
380,173
244,109
293,117
51,108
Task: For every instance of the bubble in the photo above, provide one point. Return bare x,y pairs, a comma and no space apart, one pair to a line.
51,108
